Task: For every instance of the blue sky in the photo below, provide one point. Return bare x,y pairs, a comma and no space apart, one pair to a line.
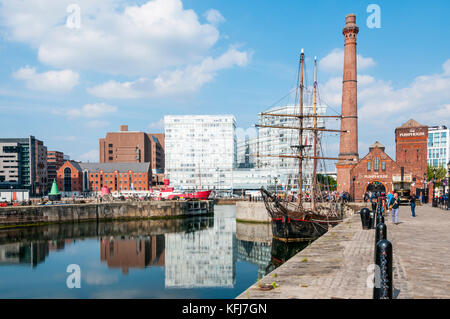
132,62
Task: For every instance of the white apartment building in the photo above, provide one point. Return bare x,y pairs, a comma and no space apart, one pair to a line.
200,151
438,146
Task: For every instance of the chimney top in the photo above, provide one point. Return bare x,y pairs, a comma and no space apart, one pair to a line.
350,18
124,128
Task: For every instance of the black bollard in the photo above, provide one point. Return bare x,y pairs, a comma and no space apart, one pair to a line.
380,219
383,287
380,234
365,218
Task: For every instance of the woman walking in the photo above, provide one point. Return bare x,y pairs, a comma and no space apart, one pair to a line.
395,203
412,202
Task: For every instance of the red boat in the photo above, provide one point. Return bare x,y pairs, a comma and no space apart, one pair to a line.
170,193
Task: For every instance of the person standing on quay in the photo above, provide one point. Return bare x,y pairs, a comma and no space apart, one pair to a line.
395,205
412,202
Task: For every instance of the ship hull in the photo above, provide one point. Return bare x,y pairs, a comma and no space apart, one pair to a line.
291,229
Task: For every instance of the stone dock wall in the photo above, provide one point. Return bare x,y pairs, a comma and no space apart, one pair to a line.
252,212
29,215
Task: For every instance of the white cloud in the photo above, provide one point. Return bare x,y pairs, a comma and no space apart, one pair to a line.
334,62
157,125
241,133
63,80
214,17
90,111
426,99
114,38
96,124
185,80
91,156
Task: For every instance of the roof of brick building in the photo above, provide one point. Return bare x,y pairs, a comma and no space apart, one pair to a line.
112,167
411,123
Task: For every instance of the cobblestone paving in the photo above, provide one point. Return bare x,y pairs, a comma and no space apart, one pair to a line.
336,265
422,249
333,266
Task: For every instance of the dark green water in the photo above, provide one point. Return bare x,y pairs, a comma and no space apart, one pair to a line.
185,258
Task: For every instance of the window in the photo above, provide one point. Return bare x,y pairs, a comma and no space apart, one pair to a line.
110,145
67,179
383,166
369,166
376,164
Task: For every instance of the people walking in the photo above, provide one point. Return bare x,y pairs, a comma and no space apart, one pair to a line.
412,202
373,201
395,203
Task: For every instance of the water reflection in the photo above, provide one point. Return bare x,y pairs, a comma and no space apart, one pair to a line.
126,253
30,254
201,257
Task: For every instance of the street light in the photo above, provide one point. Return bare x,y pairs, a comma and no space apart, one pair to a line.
434,202
425,191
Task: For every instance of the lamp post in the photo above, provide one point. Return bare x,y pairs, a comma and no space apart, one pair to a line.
434,201
448,185
353,189
276,180
425,191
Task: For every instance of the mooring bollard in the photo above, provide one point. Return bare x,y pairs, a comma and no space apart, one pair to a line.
365,218
380,234
383,287
380,219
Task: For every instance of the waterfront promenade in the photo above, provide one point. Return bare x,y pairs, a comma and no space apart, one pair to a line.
336,265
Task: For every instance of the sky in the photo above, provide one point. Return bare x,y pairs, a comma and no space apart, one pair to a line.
70,71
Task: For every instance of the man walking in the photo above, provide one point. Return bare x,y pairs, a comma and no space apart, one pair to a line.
412,202
395,205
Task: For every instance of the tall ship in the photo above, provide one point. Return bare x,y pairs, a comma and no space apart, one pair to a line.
309,213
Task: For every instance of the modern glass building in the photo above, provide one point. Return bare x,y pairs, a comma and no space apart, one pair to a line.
438,146
200,151
23,164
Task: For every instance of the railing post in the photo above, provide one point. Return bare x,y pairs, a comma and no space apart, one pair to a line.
383,260
365,218
380,234
380,219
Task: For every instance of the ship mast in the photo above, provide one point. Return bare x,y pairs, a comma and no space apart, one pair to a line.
300,134
314,177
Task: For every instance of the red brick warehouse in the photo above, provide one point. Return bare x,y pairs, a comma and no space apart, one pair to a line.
91,177
379,172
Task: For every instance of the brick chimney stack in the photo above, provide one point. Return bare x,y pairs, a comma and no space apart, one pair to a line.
348,147
124,128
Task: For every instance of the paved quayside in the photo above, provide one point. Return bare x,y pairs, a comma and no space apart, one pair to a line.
336,265
422,250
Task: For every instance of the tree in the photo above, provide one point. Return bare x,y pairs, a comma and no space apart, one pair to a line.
326,180
439,173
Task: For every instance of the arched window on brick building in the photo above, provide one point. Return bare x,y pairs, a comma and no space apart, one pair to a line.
67,179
